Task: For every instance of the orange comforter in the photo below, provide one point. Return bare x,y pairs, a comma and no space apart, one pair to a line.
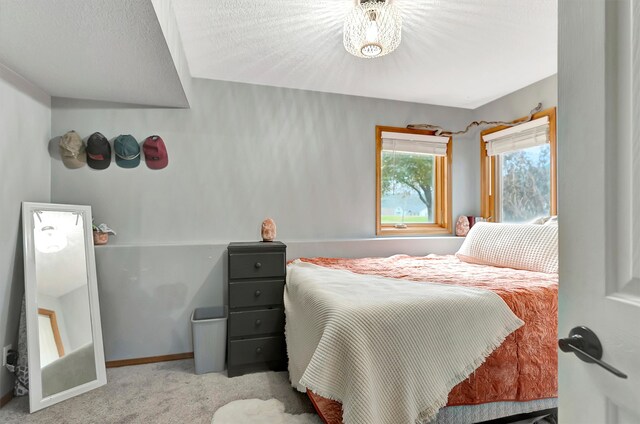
523,368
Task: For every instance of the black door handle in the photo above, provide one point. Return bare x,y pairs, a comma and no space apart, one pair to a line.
587,347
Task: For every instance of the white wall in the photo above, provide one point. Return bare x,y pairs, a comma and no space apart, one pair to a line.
25,119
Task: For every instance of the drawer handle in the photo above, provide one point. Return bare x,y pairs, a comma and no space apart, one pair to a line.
258,293
258,265
258,350
258,322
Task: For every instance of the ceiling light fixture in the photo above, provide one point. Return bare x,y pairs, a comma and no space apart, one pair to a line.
373,28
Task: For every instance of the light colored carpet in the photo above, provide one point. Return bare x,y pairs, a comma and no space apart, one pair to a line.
166,392
255,411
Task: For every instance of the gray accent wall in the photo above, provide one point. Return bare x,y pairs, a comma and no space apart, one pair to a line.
242,153
25,174
147,293
519,103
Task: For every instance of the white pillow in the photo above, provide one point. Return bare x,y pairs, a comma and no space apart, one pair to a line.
531,247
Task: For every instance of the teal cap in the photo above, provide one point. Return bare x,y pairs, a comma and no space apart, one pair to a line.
127,151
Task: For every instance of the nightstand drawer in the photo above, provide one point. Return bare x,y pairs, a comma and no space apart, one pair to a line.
256,265
256,350
256,293
251,323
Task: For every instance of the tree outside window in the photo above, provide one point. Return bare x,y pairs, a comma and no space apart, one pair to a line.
407,187
525,190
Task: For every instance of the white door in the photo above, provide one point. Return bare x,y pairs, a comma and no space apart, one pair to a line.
599,205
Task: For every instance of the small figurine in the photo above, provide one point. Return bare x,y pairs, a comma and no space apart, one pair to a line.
268,230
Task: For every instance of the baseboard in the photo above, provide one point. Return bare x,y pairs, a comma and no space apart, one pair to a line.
6,398
148,360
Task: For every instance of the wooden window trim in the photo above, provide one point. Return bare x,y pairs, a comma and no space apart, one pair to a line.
442,224
488,167
54,326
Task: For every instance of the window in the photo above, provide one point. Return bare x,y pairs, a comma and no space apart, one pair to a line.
413,182
518,170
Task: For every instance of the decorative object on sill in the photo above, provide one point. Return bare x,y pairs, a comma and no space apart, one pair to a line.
155,152
462,226
98,151
72,150
127,151
101,234
472,221
441,131
268,230
373,28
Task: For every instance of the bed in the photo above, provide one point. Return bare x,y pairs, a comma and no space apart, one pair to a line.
512,371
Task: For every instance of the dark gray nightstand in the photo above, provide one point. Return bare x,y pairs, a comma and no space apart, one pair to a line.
255,333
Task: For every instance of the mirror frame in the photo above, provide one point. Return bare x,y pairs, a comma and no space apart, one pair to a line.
36,401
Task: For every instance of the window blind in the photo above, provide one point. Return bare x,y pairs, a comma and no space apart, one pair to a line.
414,143
523,136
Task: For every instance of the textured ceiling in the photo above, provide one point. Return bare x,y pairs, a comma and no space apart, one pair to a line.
112,50
461,53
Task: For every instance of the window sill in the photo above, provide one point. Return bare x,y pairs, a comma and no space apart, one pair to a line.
402,232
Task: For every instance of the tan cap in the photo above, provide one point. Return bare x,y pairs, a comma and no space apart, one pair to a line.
72,150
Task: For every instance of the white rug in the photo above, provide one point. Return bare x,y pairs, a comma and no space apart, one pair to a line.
253,411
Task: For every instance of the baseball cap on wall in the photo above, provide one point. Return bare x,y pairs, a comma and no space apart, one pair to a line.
127,151
72,150
155,152
98,151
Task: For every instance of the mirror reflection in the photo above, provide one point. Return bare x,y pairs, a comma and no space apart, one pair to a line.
64,319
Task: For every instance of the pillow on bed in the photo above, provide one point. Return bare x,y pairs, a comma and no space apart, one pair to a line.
531,247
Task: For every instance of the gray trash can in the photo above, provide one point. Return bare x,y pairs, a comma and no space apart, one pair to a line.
209,330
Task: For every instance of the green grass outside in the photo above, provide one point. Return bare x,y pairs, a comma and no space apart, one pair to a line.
396,219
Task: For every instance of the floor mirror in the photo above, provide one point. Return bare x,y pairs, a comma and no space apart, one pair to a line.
64,336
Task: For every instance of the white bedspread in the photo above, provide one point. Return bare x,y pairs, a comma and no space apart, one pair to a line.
390,350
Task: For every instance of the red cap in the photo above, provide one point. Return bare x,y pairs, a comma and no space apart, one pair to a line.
155,152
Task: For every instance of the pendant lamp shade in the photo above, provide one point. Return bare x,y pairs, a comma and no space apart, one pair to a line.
373,28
